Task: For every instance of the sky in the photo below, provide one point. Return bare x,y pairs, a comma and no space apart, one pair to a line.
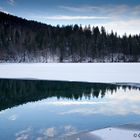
121,16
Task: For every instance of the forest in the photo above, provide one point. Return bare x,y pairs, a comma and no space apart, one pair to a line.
17,92
23,40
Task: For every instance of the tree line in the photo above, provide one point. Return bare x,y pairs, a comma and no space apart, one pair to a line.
22,40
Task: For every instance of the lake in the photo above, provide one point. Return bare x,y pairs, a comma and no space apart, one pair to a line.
39,110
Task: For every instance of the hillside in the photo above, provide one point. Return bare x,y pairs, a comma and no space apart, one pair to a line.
29,41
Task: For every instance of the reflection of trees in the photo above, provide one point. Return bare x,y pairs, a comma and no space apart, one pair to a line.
16,92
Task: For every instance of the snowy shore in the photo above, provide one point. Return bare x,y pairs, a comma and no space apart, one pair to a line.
83,72
123,132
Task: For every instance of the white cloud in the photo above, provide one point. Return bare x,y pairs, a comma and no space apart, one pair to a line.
122,26
122,18
79,8
119,18
65,17
11,2
119,25
108,10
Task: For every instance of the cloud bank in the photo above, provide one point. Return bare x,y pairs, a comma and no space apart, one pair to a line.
65,17
108,10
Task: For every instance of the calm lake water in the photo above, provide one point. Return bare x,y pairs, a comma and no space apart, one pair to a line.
39,110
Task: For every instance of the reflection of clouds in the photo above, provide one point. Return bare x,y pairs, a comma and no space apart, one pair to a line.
120,103
52,132
128,96
24,134
84,111
63,103
47,133
2,112
40,138
67,102
13,117
69,130
110,109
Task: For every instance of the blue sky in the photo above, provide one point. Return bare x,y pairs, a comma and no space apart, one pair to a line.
120,15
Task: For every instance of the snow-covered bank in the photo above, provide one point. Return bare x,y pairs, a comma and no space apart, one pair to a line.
124,132
85,72
116,134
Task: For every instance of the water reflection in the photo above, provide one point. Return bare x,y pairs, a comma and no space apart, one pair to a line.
56,109
16,92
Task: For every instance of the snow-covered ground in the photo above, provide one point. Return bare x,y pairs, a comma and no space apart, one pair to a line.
124,132
85,72
117,134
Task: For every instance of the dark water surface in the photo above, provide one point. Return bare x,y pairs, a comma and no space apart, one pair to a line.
39,110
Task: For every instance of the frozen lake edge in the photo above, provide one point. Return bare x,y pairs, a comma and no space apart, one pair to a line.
126,131
77,72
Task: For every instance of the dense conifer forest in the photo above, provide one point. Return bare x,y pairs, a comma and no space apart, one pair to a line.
30,41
